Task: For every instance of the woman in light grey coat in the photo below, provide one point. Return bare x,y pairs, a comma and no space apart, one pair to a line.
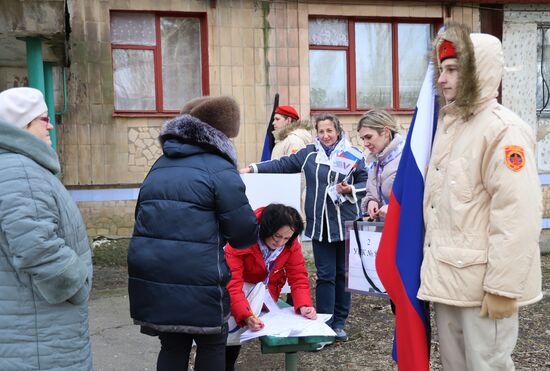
45,259
380,135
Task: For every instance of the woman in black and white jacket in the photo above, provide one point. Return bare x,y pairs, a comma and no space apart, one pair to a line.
324,218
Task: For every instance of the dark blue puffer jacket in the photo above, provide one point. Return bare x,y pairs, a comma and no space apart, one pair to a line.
190,205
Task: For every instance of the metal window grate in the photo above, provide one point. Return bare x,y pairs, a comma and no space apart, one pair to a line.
543,61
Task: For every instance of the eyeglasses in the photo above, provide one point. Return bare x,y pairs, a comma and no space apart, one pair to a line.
45,119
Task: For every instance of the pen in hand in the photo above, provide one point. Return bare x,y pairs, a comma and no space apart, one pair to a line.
254,323
308,312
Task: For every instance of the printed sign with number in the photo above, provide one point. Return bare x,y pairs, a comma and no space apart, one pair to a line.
361,275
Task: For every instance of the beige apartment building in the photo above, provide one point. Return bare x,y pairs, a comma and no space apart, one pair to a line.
120,68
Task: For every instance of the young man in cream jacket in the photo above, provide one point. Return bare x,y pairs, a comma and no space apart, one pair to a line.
482,209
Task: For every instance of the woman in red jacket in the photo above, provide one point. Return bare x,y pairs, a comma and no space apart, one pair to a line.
275,258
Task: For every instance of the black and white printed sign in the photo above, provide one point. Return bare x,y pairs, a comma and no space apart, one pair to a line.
361,275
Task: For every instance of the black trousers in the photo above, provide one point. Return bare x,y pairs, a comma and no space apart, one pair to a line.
231,355
176,347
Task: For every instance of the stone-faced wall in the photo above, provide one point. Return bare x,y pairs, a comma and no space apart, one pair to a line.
143,147
108,218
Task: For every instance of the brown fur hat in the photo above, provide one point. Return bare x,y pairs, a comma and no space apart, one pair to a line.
468,89
221,113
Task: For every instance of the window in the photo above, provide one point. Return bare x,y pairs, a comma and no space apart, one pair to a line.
358,64
543,71
159,61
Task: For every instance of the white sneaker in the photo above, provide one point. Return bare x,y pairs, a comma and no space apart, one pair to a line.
321,345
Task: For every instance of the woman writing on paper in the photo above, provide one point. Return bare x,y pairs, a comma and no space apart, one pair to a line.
379,133
276,257
325,217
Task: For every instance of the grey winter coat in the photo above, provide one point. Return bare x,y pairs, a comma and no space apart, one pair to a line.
45,261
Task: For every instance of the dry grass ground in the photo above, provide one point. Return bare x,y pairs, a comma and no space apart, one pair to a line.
370,326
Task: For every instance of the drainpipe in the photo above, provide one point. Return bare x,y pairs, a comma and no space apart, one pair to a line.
49,96
40,77
35,63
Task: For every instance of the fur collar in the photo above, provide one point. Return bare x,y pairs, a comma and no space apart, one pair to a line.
190,130
281,134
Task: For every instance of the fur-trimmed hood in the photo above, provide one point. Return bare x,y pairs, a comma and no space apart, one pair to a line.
186,129
282,133
481,63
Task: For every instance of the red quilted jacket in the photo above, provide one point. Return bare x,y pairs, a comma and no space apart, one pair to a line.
248,266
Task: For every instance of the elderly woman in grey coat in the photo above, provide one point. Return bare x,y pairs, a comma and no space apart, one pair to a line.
45,259
380,135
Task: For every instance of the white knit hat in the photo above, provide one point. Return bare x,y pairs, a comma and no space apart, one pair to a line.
19,106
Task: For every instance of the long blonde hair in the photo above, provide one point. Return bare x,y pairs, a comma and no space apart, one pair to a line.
378,119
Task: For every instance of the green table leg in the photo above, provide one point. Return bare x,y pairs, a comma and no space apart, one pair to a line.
291,361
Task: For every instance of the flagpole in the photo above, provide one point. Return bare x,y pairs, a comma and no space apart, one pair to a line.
269,141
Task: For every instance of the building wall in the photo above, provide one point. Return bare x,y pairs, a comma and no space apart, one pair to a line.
518,83
519,87
108,218
255,49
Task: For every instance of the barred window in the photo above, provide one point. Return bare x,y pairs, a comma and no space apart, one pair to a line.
543,70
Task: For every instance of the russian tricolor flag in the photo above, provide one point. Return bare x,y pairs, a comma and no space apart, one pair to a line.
400,252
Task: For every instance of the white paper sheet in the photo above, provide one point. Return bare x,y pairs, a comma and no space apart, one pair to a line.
286,322
270,303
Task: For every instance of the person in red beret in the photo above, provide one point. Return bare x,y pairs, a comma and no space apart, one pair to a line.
291,134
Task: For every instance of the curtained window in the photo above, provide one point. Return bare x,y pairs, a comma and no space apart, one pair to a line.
359,64
159,61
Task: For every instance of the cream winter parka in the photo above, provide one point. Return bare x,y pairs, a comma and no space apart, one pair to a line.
291,139
482,217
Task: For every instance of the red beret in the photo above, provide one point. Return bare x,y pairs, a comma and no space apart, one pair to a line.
447,50
287,111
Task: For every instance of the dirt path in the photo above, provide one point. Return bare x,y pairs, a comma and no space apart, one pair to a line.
370,327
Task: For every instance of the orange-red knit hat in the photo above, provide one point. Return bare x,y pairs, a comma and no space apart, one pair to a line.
447,50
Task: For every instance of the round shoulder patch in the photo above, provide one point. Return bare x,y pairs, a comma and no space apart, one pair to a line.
514,157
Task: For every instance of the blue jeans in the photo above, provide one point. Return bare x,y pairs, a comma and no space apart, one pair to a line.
331,295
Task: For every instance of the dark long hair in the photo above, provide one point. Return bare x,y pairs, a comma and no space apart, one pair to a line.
276,216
